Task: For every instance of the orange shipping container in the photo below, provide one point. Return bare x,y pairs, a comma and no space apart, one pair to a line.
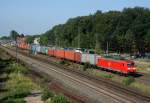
77,57
70,55
60,53
51,52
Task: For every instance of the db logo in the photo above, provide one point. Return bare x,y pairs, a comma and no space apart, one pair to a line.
109,63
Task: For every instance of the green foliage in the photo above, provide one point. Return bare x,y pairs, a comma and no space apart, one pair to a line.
18,92
5,38
62,62
13,35
86,66
18,85
30,39
44,40
59,99
107,75
147,38
12,100
128,80
16,68
126,31
47,94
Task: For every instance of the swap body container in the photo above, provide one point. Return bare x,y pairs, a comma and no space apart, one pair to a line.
50,52
89,58
44,49
38,47
60,54
33,48
78,57
23,46
70,55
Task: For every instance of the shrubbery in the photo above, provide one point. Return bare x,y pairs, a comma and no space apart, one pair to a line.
86,66
62,62
108,75
12,100
47,94
51,97
59,99
127,81
16,68
18,86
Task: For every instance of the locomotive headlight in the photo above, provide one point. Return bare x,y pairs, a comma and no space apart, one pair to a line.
134,68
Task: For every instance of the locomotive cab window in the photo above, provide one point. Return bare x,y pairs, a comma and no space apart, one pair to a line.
130,65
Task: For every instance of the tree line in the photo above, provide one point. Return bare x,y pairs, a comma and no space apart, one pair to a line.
126,31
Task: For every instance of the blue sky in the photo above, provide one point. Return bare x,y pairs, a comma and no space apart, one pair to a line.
38,16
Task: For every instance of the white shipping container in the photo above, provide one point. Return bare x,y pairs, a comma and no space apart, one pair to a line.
89,58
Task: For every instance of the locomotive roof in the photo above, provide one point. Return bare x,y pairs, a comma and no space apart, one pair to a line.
119,60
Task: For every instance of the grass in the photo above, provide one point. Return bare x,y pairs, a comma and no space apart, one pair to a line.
16,68
47,94
143,66
128,80
51,97
18,85
86,66
98,73
59,99
141,86
12,100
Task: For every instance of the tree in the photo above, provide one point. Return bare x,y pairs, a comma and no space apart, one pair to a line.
147,41
147,37
13,35
126,31
44,40
130,41
5,38
22,35
30,39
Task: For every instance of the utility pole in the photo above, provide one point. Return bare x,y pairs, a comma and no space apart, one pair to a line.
78,37
96,42
16,50
107,49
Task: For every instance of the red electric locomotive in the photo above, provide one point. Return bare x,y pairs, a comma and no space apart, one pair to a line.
123,66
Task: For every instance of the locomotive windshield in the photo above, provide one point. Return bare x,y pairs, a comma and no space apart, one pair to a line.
130,65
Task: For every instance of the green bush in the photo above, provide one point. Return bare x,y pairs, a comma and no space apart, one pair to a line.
127,81
19,86
59,99
47,94
86,66
16,68
12,100
18,92
62,62
108,75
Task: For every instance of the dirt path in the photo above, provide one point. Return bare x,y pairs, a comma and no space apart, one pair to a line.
35,97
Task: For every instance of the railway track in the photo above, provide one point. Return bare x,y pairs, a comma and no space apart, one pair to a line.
108,83
116,96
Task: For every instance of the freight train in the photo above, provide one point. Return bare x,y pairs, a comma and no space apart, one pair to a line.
122,66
